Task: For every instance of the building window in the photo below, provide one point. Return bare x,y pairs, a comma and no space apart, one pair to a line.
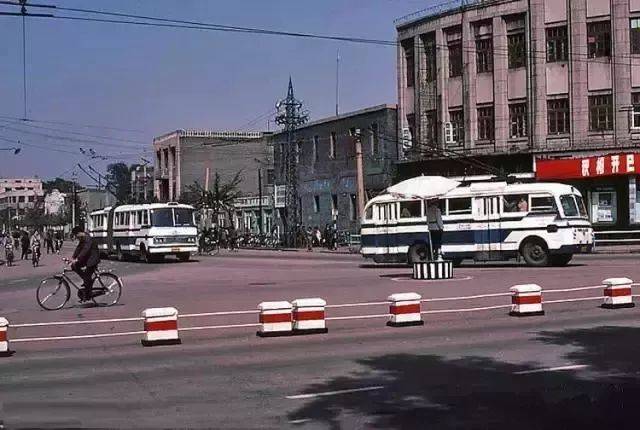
314,149
430,128
316,204
635,36
601,112
599,39
407,45
375,140
332,145
455,58
635,115
485,123
430,58
557,44
558,116
517,47
518,120
334,205
456,118
484,55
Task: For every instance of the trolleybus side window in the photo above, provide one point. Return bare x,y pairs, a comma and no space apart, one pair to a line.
459,206
516,203
543,204
411,209
368,213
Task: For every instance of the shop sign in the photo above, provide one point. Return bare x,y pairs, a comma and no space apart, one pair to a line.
590,167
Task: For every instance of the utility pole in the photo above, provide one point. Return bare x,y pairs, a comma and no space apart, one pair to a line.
74,200
357,140
337,76
291,115
260,221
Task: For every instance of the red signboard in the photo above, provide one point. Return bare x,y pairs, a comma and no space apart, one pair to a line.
590,167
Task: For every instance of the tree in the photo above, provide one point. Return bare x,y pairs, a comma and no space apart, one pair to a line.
59,184
220,197
119,181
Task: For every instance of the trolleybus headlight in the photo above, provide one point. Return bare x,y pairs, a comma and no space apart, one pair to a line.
158,240
552,228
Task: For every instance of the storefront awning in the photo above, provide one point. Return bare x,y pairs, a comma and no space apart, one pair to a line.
588,167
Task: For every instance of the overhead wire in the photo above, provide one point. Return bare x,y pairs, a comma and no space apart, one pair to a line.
77,125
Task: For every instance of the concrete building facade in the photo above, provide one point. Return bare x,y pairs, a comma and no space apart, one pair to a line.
517,82
326,167
141,183
19,194
183,157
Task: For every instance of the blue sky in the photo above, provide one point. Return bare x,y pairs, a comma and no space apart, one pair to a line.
154,80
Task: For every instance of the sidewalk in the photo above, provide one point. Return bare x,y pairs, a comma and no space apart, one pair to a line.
617,249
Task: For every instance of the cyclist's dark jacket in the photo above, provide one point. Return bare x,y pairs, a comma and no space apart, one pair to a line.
87,253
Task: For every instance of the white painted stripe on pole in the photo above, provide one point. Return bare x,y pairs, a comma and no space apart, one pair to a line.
355,317
447,311
334,393
84,336
479,296
76,322
211,327
552,369
354,305
580,299
214,314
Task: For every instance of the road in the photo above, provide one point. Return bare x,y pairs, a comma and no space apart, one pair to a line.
575,366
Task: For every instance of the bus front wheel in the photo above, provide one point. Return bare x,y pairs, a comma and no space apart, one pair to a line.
535,253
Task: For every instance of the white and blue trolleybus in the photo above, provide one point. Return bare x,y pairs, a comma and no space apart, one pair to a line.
544,223
148,231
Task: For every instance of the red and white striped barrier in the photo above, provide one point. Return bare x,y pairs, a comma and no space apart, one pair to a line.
160,327
405,310
526,300
4,337
617,293
309,316
276,319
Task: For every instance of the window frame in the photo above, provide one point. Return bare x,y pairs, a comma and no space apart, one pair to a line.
599,39
484,54
600,113
558,114
634,35
459,212
486,123
517,49
635,111
457,125
402,204
454,49
557,41
518,120
332,145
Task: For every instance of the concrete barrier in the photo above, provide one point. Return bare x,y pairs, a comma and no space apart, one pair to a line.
405,310
160,327
617,293
526,300
309,316
276,319
433,270
4,338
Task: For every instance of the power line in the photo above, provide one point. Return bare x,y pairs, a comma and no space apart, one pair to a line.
71,124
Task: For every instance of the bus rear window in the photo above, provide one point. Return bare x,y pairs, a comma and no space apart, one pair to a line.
568,205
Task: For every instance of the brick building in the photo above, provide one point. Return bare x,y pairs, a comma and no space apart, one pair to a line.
522,83
327,166
185,156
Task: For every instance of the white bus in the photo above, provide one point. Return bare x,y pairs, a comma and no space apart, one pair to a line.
149,231
544,223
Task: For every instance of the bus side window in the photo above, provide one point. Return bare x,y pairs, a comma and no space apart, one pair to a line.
411,209
368,213
145,217
459,206
516,203
543,204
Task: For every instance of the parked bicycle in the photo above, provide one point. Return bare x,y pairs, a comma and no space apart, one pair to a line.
54,292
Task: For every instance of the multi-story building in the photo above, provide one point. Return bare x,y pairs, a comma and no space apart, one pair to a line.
326,163
187,156
19,194
141,183
550,87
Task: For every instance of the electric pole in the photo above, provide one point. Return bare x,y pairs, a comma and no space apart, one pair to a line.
357,140
74,200
260,221
291,115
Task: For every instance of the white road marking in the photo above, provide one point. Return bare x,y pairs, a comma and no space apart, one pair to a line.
552,369
301,421
333,393
430,281
17,281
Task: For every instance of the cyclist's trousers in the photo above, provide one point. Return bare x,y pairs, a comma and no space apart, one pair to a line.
86,273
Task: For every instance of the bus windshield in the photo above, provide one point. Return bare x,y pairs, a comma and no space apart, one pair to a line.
569,206
581,206
183,217
170,217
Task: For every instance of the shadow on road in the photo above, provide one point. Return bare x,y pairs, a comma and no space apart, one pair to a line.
429,391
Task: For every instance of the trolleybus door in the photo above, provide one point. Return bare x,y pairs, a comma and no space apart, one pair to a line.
488,230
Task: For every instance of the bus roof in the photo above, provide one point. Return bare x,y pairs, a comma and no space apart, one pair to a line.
146,206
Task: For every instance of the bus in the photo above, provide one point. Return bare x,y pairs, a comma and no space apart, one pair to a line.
543,223
148,231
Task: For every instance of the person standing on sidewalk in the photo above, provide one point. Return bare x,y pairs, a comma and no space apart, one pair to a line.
48,241
24,246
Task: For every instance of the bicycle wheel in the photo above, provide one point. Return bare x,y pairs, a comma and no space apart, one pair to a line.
53,293
110,286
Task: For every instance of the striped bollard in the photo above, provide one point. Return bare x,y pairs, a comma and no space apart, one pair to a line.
309,316
526,300
4,338
433,270
617,293
276,319
160,327
405,310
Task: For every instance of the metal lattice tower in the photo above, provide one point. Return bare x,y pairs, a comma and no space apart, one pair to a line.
291,115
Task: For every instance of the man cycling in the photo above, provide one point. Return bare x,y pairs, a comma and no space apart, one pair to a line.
86,258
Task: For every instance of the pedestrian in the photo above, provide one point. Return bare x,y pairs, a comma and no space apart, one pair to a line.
326,234
233,237
308,238
317,236
59,240
436,226
24,246
48,241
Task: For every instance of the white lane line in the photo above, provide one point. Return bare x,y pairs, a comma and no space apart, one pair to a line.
552,369
333,393
301,421
430,281
17,281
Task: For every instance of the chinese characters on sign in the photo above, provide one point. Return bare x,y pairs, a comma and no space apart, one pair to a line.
576,168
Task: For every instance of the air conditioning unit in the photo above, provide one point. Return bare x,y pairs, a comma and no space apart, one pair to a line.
448,133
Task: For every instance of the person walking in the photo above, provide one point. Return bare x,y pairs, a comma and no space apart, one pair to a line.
436,226
24,246
309,238
48,241
233,237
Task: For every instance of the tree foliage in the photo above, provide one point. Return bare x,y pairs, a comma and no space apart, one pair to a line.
59,184
220,197
119,181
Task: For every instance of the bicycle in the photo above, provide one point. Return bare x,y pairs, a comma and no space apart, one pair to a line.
107,293
35,255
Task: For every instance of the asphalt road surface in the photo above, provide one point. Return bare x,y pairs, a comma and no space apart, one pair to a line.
574,367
